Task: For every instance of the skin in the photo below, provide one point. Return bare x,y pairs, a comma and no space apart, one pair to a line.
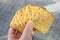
26,35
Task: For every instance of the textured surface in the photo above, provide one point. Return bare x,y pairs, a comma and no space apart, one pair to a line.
8,9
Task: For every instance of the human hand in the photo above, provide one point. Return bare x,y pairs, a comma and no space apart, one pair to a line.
26,35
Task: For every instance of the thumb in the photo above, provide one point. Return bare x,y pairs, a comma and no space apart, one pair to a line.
27,33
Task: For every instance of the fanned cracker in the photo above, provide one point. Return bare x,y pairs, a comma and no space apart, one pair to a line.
42,19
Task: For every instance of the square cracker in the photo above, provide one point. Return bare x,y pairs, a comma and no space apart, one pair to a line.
42,19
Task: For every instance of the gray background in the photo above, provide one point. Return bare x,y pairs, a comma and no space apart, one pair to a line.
8,9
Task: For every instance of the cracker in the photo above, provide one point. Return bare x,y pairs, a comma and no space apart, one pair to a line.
42,19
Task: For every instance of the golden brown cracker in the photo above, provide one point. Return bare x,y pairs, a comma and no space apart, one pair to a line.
42,19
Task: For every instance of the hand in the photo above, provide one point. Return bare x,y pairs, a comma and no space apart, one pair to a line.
26,35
